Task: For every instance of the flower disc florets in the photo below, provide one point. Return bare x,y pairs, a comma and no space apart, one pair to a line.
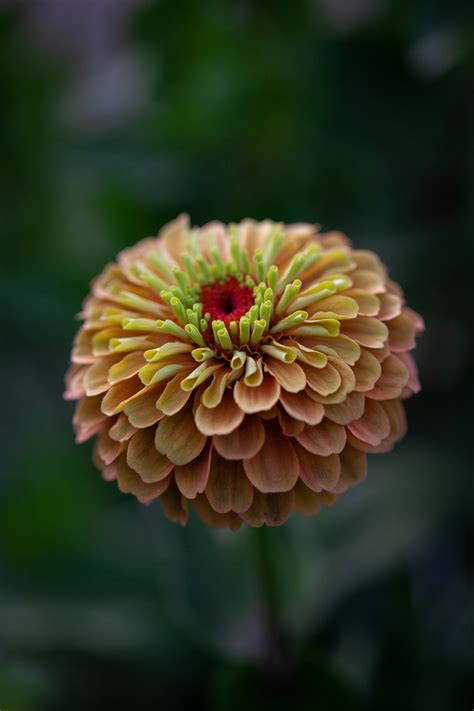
246,370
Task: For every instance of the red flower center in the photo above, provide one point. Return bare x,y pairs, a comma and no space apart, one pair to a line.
226,301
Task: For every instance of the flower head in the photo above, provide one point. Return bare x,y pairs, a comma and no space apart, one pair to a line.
245,370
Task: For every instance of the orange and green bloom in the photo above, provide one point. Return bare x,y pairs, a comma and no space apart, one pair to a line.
245,370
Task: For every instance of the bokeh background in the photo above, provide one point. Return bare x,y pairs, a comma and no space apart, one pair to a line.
117,115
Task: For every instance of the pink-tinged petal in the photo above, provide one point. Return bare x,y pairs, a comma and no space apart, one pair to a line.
413,380
244,442
367,371
301,407
337,306
353,468
275,468
129,482
390,306
259,398
289,426
213,519
96,377
350,409
191,478
396,414
128,366
122,430
82,350
373,426
392,381
367,331
107,449
173,398
174,505
347,374
116,398
173,236
402,333
307,502
141,410
415,318
323,380
88,418
369,281
368,304
324,439
256,513
143,458
341,346
290,375
74,380
222,419
318,472
228,488
179,439
279,506
367,260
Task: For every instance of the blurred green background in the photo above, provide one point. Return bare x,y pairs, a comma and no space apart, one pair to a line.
116,115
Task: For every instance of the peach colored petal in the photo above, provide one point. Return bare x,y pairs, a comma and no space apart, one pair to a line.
178,438
275,468
367,371
365,259
96,377
374,424
174,504
390,306
74,380
413,380
402,333
289,426
366,330
244,442
122,430
353,468
369,281
128,366
222,419
141,410
214,519
192,478
108,449
173,398
392,381
350,409
130,483
279,506
368,304
307,502
337,306
324,439
259,398
228,488
291,376
82,349
214,393
256,513
116,398
396,414
341,346
302,407
143,458
323,380
88,417
318,472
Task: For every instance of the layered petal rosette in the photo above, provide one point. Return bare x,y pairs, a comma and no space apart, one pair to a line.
245,370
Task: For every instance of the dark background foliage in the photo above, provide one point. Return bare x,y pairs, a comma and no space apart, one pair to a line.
116,115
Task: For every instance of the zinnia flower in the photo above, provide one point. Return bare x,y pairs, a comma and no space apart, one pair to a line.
245,370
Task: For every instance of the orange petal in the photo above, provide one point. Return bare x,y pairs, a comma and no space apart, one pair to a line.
96,377
291,376
128,366
173,397
302,407
130,483
324,439
366,330
275,468
244,442
116,398
374,424
145,460
191,478
392,381
228,488
367,371
122,430
107,448
350,409
178,438
318,472
88,417
259,398
221,419
141,410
